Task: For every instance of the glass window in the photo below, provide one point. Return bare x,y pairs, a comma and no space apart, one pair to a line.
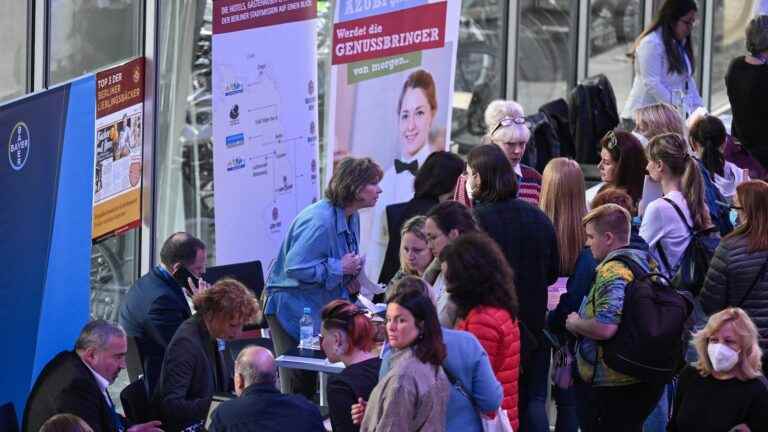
13,71
86,35
481,59
613,27
545,51
728,41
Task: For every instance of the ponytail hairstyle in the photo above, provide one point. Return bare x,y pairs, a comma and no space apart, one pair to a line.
708,134
671,150
343,315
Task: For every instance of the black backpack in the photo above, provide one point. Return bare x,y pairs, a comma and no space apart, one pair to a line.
694,263
648,344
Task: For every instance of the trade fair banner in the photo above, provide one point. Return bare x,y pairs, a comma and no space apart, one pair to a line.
391,87
118,149
45,223
265,145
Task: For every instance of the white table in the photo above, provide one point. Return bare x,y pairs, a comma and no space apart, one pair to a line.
310,363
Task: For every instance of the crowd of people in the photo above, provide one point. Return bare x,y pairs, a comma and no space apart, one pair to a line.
470,342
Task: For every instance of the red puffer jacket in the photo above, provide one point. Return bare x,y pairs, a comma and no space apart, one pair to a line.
500,336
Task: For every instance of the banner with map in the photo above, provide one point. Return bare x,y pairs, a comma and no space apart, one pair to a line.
265,145
391,88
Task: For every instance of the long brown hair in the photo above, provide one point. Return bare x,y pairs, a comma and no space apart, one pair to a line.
630,159
671,149
753,198
666,18
562,200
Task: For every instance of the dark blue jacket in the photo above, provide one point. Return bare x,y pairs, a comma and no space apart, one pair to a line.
151,312
262,408
580,282
527,238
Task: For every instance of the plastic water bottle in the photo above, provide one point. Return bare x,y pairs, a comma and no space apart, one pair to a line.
306,329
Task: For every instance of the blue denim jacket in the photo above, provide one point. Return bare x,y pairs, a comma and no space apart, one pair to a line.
307,271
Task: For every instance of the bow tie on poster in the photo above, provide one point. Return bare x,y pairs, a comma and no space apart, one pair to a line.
401,166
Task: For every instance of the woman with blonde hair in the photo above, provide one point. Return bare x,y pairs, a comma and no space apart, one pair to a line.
562,200
415,255
669,220
657,119
725,389
507,129
737,273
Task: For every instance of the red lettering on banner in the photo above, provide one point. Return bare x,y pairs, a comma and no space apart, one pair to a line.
235,15
389,34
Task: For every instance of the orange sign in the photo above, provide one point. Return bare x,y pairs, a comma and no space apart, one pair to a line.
119,143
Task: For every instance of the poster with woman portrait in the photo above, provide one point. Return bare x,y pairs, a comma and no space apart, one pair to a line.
390,97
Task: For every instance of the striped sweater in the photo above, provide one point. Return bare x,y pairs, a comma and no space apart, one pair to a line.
529,187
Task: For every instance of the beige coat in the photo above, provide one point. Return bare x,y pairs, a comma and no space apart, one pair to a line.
411,397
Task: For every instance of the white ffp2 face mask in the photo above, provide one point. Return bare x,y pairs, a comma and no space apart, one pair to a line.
723,357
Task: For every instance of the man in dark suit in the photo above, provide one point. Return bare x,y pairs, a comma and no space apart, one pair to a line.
260,406
157,304
76,382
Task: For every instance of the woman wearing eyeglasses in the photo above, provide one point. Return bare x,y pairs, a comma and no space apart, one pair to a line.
622,165
347,336
505,121
664,62
725,389
738,273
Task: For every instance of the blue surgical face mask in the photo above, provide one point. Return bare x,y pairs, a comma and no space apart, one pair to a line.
734,216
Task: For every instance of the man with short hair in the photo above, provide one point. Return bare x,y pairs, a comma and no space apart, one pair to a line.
617,402
157,303
76,382
260,406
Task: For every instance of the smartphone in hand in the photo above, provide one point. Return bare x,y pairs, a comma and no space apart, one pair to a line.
181,276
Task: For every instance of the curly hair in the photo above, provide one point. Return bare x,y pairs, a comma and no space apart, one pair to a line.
477,274
227,298
349,176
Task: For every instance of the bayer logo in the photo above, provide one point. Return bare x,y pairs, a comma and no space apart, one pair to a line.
18,146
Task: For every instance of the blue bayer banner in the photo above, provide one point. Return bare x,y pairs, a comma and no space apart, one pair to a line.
46,164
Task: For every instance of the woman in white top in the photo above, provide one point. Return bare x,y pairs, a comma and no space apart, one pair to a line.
416,111
707,138
670,164
664,61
